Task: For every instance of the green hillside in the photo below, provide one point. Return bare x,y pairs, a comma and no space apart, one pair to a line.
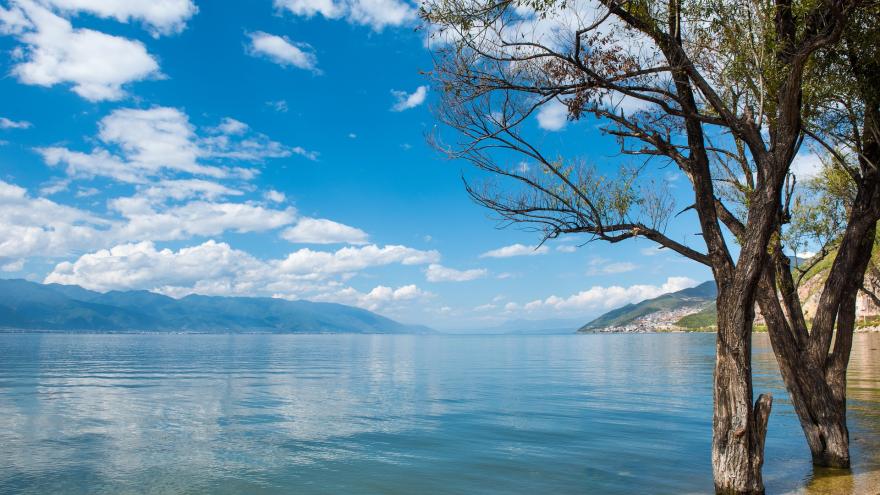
707,318
703,293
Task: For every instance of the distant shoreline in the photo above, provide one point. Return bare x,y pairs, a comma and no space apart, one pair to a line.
15,331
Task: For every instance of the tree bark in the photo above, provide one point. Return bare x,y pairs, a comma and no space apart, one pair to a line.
815,378
738,427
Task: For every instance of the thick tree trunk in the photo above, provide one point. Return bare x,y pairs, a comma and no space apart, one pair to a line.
815,378
738,427
822,413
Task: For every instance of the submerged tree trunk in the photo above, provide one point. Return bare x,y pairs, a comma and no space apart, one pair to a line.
815,373
820,407
738,427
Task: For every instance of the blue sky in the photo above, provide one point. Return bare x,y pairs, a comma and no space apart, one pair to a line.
276,148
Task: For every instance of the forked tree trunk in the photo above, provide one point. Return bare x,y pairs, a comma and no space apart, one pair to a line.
738,427
815,378
821,411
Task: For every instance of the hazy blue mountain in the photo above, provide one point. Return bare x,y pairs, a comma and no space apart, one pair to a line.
31,306
704,293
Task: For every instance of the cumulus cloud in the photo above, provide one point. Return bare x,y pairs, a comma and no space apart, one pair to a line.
605,298
515,250
439,273
32,227
323,231
552,116
196,218
144,143
231,127
377,14
405,100
282,51
160,16
351,259
379,297
215,268
41,227
566,249
181,189
97,65
12,124
142,266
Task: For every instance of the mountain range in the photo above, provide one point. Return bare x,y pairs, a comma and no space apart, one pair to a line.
28,305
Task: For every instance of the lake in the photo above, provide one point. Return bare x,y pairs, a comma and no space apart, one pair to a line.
378,414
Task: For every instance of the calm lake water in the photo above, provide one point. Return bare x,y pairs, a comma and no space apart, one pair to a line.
346,414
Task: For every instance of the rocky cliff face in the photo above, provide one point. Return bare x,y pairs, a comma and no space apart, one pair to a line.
811,290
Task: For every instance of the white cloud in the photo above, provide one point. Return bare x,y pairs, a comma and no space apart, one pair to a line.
282,51
54,186
274,196
12,124
181,189
197,218
406,101
156,138
308,8
377,298
142,266
377,14
232,127
552,116
352,259
143,143
439,273
40,227
161,16
651,251
215,268
87,192
323,231
278,105
515,250
381,13
566,249
605,298
98,65
13,266
33,227
806,166
601,266
97,163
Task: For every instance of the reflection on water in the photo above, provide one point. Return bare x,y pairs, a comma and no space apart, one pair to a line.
339,414
863,393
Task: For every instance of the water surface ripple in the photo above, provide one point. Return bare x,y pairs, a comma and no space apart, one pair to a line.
356,414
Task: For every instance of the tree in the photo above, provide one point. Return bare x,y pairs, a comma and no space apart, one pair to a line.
703,102
842,220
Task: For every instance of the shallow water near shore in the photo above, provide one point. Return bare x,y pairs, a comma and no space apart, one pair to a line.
362,414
